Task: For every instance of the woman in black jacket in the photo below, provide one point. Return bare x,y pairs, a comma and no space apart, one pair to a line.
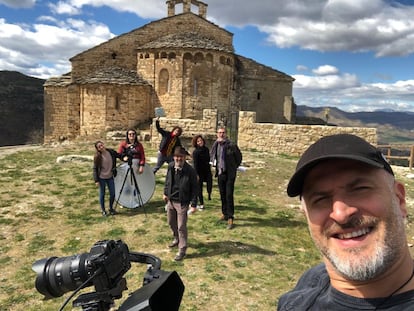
201,163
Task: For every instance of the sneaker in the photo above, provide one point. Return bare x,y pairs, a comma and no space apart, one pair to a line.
230,224
192,210
104,213
201,207
179,257
173,244
112,212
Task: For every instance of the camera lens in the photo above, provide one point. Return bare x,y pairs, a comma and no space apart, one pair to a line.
56,276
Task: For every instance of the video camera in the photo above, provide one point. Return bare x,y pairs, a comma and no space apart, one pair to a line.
128,153
104,267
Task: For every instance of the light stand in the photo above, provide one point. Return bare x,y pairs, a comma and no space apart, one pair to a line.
134,182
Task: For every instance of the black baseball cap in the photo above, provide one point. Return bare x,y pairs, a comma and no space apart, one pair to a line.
339,146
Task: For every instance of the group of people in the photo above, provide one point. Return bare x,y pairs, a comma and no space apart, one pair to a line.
183,183
104,165
355,209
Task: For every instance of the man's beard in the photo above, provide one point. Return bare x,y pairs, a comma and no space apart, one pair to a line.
357,267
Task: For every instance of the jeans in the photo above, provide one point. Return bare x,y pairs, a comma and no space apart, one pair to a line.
161,159
111,187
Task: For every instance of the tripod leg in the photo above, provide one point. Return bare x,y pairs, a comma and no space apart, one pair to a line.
138,193
122,188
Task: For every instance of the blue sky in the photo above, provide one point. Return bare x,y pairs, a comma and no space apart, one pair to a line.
351,54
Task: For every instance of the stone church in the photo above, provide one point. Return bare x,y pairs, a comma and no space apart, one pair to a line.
182,63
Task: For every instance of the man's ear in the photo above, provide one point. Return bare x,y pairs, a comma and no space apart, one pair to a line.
399,190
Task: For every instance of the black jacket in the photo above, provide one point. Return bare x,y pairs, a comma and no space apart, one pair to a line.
166,136
188,188
233,157
201,163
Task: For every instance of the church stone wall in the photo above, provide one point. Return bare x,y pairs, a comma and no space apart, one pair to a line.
289,139
265,97
122,50
61,107
118,83
107,107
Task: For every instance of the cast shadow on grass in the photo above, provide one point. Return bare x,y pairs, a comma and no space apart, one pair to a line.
211,249
272,222
277,218
151,207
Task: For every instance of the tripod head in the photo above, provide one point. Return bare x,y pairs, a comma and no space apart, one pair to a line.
129,154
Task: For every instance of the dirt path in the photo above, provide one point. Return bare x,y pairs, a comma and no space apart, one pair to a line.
7,150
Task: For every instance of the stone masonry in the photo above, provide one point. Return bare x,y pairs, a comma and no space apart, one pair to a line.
183,63
287,139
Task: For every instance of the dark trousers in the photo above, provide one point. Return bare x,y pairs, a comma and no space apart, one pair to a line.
209,181
161,159
226,187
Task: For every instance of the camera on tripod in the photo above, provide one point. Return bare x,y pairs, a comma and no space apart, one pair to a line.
104,267
129,153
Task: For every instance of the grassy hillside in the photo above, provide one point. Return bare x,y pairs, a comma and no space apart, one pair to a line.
21,109
392,127
49,209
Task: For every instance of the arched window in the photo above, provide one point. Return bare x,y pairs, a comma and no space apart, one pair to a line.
163,82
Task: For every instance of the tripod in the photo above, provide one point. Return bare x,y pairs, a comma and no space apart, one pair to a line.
100,301
137,192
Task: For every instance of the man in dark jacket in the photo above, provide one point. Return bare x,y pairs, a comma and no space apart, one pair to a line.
226,157
169,141
180,190
356,212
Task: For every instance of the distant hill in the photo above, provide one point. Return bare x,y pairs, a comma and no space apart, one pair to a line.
21,109
21,114
392,127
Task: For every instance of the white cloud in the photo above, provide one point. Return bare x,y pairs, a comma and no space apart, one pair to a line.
325,70
143,8
18,4
346,25
347,93
64,8
301,68
44,50
324,82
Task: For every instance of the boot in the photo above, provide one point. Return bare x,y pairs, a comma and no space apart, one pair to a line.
230,224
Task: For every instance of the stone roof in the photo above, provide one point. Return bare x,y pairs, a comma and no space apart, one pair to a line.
113,75
186,40
250,68
62,80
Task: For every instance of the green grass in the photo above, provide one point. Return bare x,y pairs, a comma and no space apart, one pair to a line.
49,209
